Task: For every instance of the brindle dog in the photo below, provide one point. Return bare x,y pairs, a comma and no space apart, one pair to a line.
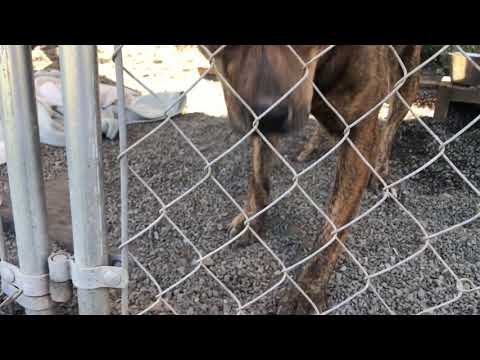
353,79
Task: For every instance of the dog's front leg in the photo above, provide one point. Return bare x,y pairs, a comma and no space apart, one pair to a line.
351,180
259,184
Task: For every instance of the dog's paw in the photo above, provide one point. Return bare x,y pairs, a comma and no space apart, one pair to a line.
313,151
237,226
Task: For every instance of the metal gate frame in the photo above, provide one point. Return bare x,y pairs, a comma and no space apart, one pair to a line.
41,279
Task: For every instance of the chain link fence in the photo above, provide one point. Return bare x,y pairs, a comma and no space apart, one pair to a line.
205,259
182,180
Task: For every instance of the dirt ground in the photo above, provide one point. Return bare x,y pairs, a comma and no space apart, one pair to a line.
438,197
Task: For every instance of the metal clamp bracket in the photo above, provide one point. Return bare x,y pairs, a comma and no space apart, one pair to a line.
30,291
31,285
62,268
37,292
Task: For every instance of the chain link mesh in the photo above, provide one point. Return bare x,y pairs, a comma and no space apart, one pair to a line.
463,285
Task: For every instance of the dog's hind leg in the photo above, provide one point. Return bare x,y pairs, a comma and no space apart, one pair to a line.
323,137
318,143
411,58
259,183
387,135
351,180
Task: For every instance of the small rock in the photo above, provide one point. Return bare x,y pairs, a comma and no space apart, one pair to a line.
208,261
421,294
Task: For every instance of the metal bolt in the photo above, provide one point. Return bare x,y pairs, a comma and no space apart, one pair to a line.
112,278
60,256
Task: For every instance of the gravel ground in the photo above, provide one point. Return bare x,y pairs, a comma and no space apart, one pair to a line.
437,197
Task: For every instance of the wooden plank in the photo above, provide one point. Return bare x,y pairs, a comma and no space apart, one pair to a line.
435,81
470,95
442,104
430,81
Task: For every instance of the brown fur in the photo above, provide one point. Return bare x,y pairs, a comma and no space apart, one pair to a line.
353,79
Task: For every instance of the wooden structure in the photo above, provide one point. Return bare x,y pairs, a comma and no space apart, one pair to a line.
449,92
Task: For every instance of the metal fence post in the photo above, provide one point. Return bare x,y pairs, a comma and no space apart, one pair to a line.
85,167
19,115
3,250
122,122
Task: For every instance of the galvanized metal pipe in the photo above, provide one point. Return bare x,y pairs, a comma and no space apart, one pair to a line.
19,116
85,167
3,250
122,123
